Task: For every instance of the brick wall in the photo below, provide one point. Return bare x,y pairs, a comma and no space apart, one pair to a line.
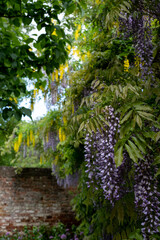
32,198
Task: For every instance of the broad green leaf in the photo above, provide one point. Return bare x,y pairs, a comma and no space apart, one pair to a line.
88,128
126,117
146,115
92,125
97,124
26,111
138,121
157,136
82,126
118,156
135,150
131,153
157,160
70,8
139,144
143,108
27,20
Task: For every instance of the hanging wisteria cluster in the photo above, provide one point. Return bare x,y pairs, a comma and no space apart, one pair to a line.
102,173
99,158
138,25
51,140
146,197
70,180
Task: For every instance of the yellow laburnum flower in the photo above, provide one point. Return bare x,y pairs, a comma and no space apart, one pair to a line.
88,54
61,71
54,32
15,99
137,63
126,64
79,27
28,140
55,161
98,2
60,134
84,38
20,138
83,57
33,141
69,48
65,120
41,160
16,146
76,34
31,135
53,75
56,73
54,21
42,88
66,66
34,93
63,136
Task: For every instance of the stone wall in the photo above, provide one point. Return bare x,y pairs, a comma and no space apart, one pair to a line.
32,198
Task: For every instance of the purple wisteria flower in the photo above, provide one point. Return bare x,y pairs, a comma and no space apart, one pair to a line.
63,236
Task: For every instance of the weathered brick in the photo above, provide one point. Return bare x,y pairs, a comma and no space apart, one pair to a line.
32,198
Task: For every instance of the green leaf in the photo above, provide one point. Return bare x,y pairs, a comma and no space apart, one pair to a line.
16,22
139,144
7,113
135,150
126,117
18,115
140,107
138,121
29,40
82,126
157,136
26,111
131,153
157,160
146,115
70,8
26,20
118,157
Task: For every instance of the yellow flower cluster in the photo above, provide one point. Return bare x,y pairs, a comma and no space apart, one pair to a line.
59,74
98,2
62,136
77,31
137,63
41,160
126,64
18,142
13,99
65,120
16,146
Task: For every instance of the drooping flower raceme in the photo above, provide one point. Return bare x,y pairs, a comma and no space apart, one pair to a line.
146,197
99,158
